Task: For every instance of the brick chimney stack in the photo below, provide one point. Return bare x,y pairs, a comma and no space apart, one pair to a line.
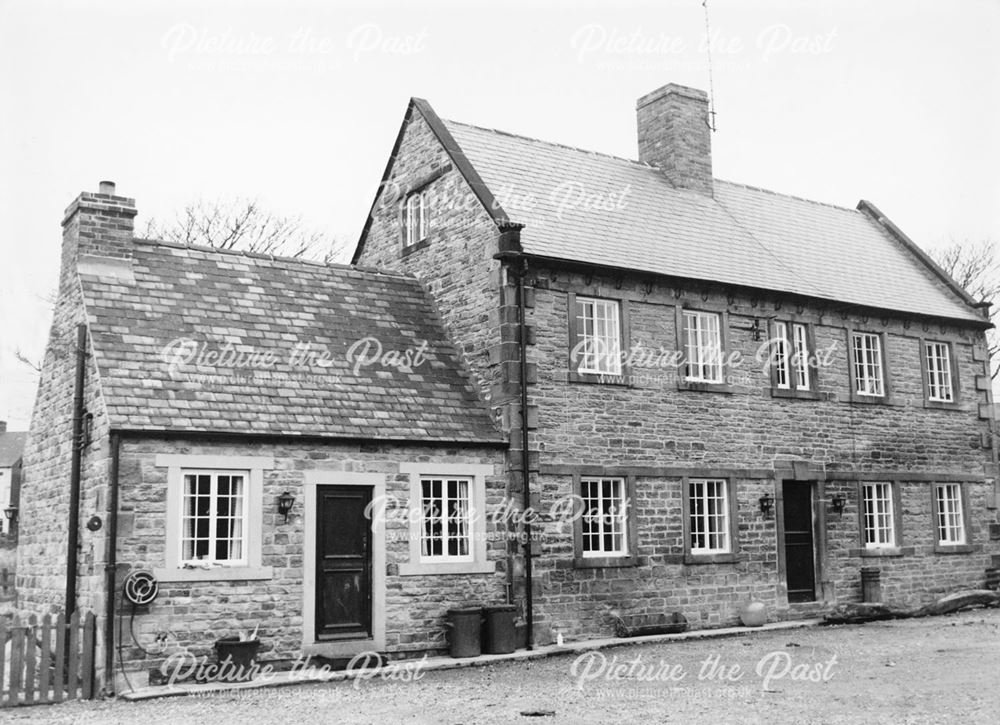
675,137
98,229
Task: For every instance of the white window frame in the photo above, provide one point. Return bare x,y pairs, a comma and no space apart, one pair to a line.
801,352
213,496
704,522
702,343
614,522
477,563
601,349
868,358
782,365
415,218
429,511
878,515
174,569
949,514
940,384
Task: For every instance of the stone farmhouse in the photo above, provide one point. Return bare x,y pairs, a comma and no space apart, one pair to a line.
594,387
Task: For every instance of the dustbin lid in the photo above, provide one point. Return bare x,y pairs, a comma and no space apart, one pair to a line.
466,610
501,608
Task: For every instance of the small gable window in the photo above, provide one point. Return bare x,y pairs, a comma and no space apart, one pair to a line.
416,217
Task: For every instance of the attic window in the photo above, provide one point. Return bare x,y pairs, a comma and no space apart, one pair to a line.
416,218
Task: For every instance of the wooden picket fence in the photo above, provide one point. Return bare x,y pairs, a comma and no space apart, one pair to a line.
47,662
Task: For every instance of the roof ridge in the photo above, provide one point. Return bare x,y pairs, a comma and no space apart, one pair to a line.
787,196
591,152
272,257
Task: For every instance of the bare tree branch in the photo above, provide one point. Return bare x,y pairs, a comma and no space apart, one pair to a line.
244,225
25,360
976,266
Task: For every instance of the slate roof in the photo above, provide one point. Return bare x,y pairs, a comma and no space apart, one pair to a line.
590,207
12,447
191,302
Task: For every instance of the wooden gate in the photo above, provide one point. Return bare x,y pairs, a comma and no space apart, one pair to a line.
48,662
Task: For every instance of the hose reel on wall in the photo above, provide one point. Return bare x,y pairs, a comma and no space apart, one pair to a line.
140,588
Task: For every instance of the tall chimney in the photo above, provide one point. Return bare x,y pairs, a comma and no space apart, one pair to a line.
97,232
674,136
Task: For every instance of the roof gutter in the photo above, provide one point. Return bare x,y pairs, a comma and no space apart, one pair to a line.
237,436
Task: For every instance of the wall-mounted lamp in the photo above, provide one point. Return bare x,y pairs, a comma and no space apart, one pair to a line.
755,329
838,502
285,503
766,503
11,513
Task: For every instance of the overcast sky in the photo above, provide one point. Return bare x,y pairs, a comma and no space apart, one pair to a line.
298,104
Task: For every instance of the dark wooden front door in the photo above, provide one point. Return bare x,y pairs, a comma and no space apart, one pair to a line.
800,554
343,562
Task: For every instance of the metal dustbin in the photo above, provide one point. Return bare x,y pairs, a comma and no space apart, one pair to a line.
466,625
871,584
499,631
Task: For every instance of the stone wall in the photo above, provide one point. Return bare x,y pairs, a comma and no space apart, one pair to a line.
192,615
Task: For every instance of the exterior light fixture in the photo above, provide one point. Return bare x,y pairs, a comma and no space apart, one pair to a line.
285,503
766,503
837,502
11,513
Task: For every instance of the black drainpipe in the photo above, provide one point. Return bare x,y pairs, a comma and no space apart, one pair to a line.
110,567
510,251
76,450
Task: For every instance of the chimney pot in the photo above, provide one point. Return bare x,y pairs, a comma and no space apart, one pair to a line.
107,187
675,137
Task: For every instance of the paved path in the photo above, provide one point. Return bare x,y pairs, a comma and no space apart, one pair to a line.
943,669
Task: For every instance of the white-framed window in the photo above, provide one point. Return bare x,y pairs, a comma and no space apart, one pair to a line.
605,517
878,522
782,368
446,526
937,356
869,379
708,502
702,347
800,340
950,516
416,217
598,326
213,518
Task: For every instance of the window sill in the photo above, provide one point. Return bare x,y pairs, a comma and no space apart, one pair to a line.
728,558
941,405
599,379
603,562
216,573
701,387
795,394
464,567
871,399
954,548
883,552
408,250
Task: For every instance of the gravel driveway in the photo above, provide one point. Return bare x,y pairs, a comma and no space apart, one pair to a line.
942,669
